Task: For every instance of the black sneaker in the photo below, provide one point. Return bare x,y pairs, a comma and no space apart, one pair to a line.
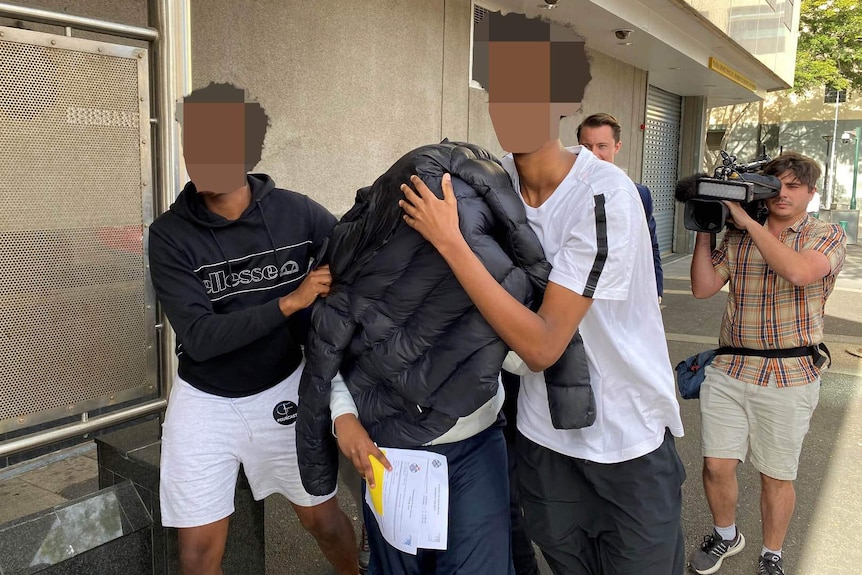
713,550
769,564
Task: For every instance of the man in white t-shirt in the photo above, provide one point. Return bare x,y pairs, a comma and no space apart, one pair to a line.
604,499
600,134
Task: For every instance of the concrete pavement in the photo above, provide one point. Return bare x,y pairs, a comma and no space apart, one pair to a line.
829,508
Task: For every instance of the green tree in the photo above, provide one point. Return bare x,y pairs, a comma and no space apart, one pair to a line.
830,45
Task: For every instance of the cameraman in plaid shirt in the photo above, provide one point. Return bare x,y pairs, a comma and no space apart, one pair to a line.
761,397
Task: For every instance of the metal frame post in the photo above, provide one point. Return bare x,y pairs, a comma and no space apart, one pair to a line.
855,168
163,14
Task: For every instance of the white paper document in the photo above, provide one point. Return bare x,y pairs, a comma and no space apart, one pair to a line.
411,502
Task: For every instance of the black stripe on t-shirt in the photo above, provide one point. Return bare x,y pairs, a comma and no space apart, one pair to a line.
601,247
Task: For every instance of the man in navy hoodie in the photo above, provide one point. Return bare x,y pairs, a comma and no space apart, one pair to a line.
233,265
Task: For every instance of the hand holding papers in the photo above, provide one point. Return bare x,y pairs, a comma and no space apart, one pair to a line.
411,502
355,444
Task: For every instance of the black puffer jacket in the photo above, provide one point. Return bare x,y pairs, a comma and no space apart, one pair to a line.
414,351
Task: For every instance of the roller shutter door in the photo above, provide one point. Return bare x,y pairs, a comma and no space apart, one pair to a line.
661,158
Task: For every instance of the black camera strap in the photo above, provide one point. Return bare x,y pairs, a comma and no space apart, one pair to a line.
819,353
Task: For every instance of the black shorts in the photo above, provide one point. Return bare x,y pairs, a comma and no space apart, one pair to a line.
604,519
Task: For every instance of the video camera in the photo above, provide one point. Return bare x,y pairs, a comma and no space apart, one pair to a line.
703,196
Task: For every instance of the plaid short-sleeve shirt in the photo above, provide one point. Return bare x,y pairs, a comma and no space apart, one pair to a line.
765,311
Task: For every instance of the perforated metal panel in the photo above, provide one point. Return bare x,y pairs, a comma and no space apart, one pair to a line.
479,14
661,159
76,311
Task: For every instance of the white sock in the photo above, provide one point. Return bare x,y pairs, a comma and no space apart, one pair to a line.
727,533
766,550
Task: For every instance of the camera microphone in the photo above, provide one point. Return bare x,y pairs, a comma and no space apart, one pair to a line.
686,188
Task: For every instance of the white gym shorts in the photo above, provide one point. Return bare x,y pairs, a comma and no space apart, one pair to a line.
205,438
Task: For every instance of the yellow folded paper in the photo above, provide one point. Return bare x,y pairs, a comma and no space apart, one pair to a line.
377,490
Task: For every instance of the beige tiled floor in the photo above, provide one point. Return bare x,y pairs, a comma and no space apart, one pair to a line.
43,483
19,498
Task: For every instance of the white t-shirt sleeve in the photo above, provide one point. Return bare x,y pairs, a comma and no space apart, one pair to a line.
597,257
340,400
514,364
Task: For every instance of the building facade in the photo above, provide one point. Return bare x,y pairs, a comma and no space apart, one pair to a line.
351,86
812,123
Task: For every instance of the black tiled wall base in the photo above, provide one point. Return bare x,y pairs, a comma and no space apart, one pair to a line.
133,453
106,532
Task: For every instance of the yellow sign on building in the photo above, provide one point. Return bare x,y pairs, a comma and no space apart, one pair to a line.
731,74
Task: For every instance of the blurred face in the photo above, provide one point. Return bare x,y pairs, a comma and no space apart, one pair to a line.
600,141
519,96
793,199
523,128
214,145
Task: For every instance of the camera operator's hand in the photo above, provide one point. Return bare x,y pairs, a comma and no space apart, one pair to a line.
738,216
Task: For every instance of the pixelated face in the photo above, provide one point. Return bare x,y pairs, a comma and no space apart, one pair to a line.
600,141
536,74
792,201
519,95
519,106
214,145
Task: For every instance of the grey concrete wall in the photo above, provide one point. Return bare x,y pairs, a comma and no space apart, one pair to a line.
692,144
349,86
618,89
615,88
456,70
480,129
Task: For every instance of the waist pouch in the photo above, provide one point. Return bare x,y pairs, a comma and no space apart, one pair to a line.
690,372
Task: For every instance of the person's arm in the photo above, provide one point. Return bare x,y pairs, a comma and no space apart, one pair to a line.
340,400
706,281
799,268
539,338
356,445
205,334
352,438
646,200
